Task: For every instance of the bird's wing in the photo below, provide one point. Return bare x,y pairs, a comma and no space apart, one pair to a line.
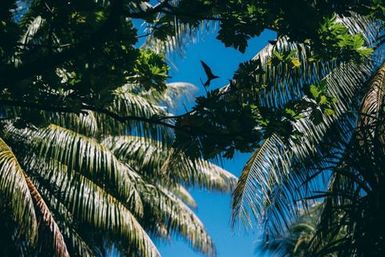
207,70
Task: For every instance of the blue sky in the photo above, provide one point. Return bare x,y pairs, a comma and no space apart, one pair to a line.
214,208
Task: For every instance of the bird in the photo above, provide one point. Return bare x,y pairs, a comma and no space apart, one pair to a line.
210,75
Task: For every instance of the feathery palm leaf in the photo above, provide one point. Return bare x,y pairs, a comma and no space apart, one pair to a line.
275,184
15,192
61,181
172,164
91,204
60,246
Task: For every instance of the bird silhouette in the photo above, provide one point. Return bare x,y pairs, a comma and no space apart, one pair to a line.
210,75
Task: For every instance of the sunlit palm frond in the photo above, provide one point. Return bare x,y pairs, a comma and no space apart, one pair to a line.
176,93
83,154
16,194
60,246
184,34
266,168
183,194
82,123
87,202
75,242
154,156
128,103
278,83
137,110
305,158
177,217
31,30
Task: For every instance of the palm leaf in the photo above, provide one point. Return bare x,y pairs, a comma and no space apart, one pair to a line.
182,193
154,156
283,83
261,172
184,34
89,203
14,189
344,81
75,242
178,218
370,119
85,155
59,243
82,123
128,103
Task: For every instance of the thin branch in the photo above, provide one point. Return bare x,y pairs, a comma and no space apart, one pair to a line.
39,106
128,118
176,116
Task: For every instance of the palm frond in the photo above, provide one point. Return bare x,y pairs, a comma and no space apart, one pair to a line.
14,189
370,111
184,34
60,246
153,156
75,242
182,193
87,202
177,93
277,84
32,28
344,81
355,181
127,102
134,106
85,155
82,123
266,168
178,218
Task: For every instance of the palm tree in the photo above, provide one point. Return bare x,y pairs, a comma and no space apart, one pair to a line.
336,159
79,181
84,172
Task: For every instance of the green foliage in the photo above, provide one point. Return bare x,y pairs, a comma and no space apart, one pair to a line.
299,99
81,184
331,158
150,70
84,127
337,41
77,95
290,59
324,104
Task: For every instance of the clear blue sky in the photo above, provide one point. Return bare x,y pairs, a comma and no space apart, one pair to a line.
214,208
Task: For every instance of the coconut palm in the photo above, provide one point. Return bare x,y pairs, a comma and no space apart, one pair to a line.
79,180
336,158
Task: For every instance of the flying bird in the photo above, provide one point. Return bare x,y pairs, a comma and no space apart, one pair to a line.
209,74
